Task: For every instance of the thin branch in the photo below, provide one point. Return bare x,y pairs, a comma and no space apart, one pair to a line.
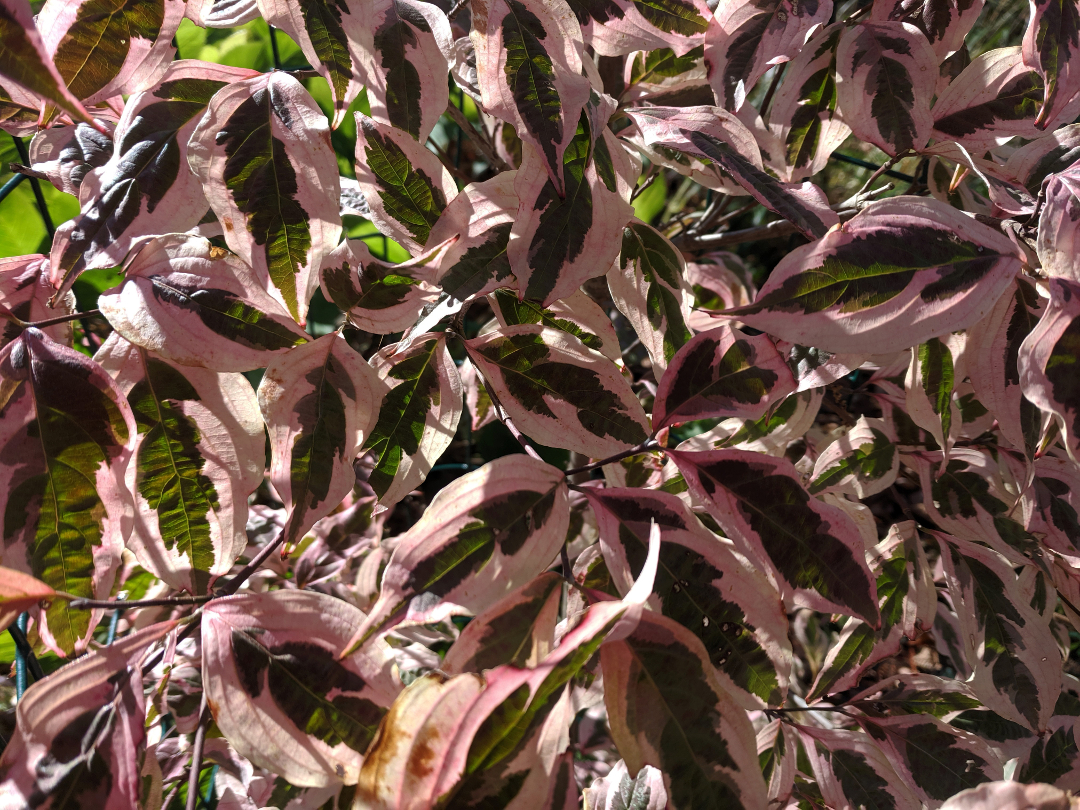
19,637
197,756
121,604
479,137
653,174
232,585
74,316
449,164
456,9
885,167
645,447
19,168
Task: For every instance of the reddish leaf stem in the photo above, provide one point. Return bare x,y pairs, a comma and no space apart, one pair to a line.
197,756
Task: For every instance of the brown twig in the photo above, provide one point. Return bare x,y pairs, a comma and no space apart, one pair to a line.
74,316
479,137
19,168
450,167
197,756
645,447
121,604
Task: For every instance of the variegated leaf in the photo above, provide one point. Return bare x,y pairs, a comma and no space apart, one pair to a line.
405,184
319,404
560,392
993,364
262,152
198,305
1051,504
648,285
222,13
617,27
862,462
804,112
718,137
519,629
417,418
1057,226
281,693
66,434
722,373
1031,164
482,216
667,709
936,369
407,84
334,35
936,760
853,771
145,187
65,155
745,39
529,70
771,434
577,314
1009,645
199,454
109,51
27,62
377,296
617,791
944,22
1048,358
1009,796
703,585
25,291
1051,42
717,280
996,96
80,733
812,550
558,242
887,75
907,600
484,535
901,272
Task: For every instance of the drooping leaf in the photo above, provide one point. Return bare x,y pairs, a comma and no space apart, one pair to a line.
1009,645
899,273
67,154
853,771
24,291
146,186
18,593
518,629
481,216
80,733
560,392
417,418
1050,154
617,27
936,760
992,359
702,585
198,305
717,136
558,241
319,404
1051,42
26,61
936,369
888,73
405,184
407,87
1057,226
667,709
375,295
279,690
804,111
118,48
576,314
198,455
722,373
862,462
1052,506
334,35
745,39
812,550
997,95
1048,357
529,71
66,434
648,286
222,13
262,152
482,536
